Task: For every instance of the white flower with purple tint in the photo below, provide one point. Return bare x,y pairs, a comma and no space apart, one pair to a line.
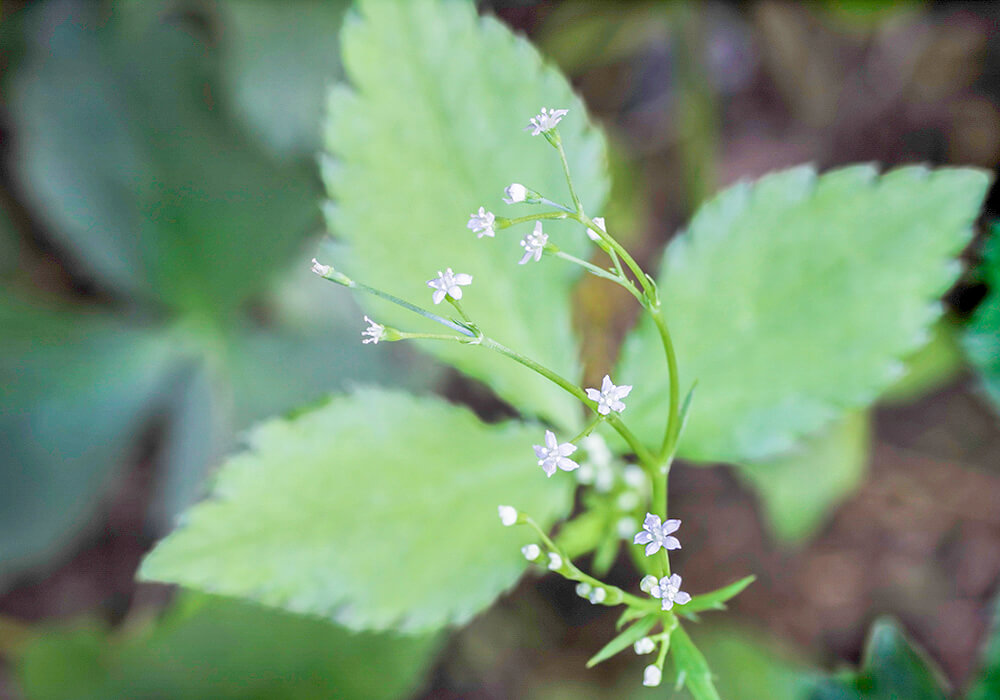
655,534
545,121
609,398
668,590
534,244
447,283
482,223
515,193
554,455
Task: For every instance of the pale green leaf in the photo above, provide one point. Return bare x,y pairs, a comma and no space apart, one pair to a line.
716,600
432,130
799,490
794,298
691,667
624,640
376,510
930,368
213,647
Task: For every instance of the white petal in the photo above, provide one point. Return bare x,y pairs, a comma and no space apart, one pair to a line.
439,296
566,449
455,292
682,598
540,452
652,548
464,279
550,440
555,561
675,580
603,409
670,526
652,522
524,258
567,464
606,385
667,604
593,394
671,543
647,583
642,538
549,467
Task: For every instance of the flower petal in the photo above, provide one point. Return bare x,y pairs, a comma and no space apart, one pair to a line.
463,278
642,538
550,440
566,464
681,598
652,548
652,522
670,526
671,543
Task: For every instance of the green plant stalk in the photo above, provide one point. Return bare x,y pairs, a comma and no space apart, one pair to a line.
618,279
645,456
506,223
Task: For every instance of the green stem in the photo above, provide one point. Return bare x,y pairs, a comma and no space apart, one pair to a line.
410,307
644,455
589,427
403,335
617,248
557,142
600,272
458,307
506,223
672,431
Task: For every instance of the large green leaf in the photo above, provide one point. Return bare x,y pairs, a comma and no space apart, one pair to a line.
125,153
278,61
982,338
798,490
794,298
212,647
893,669
432,131
76,387
376,510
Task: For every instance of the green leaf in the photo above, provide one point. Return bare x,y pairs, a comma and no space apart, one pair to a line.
691,668
76,388
825,283
126,155
982,337
432,131
624,640
212,647
278,63
799,490
987,684
892,669
716,599
376,510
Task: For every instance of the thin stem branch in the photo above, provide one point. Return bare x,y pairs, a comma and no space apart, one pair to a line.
600,272
506,223
410,307
557,142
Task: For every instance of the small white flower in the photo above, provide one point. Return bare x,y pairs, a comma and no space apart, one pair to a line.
583,589
447,283
627,501
482,223
609,398
373,333
626,526
321,269
647,583
508,515
599,221
531,552
545,121
655,534
515,193
555,561
553,454
652,676
644,646
668,590
597,596
635,477
534,244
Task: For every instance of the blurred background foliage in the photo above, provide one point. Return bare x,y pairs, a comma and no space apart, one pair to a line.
159,199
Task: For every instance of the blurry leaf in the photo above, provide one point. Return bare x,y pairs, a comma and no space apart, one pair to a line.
893,669
826,281
931,367
9,245
77,387
691,668
434,130
799,490
982,337
377,510
278,62
717,599
212,647
624,640
987,684
123,151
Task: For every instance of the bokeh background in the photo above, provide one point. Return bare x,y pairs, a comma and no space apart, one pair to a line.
160,199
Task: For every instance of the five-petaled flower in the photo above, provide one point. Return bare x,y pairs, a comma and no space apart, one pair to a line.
482,223
515,192
545,121
534,244
373,333
609,398
655,534
553,454
668,590
447,283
